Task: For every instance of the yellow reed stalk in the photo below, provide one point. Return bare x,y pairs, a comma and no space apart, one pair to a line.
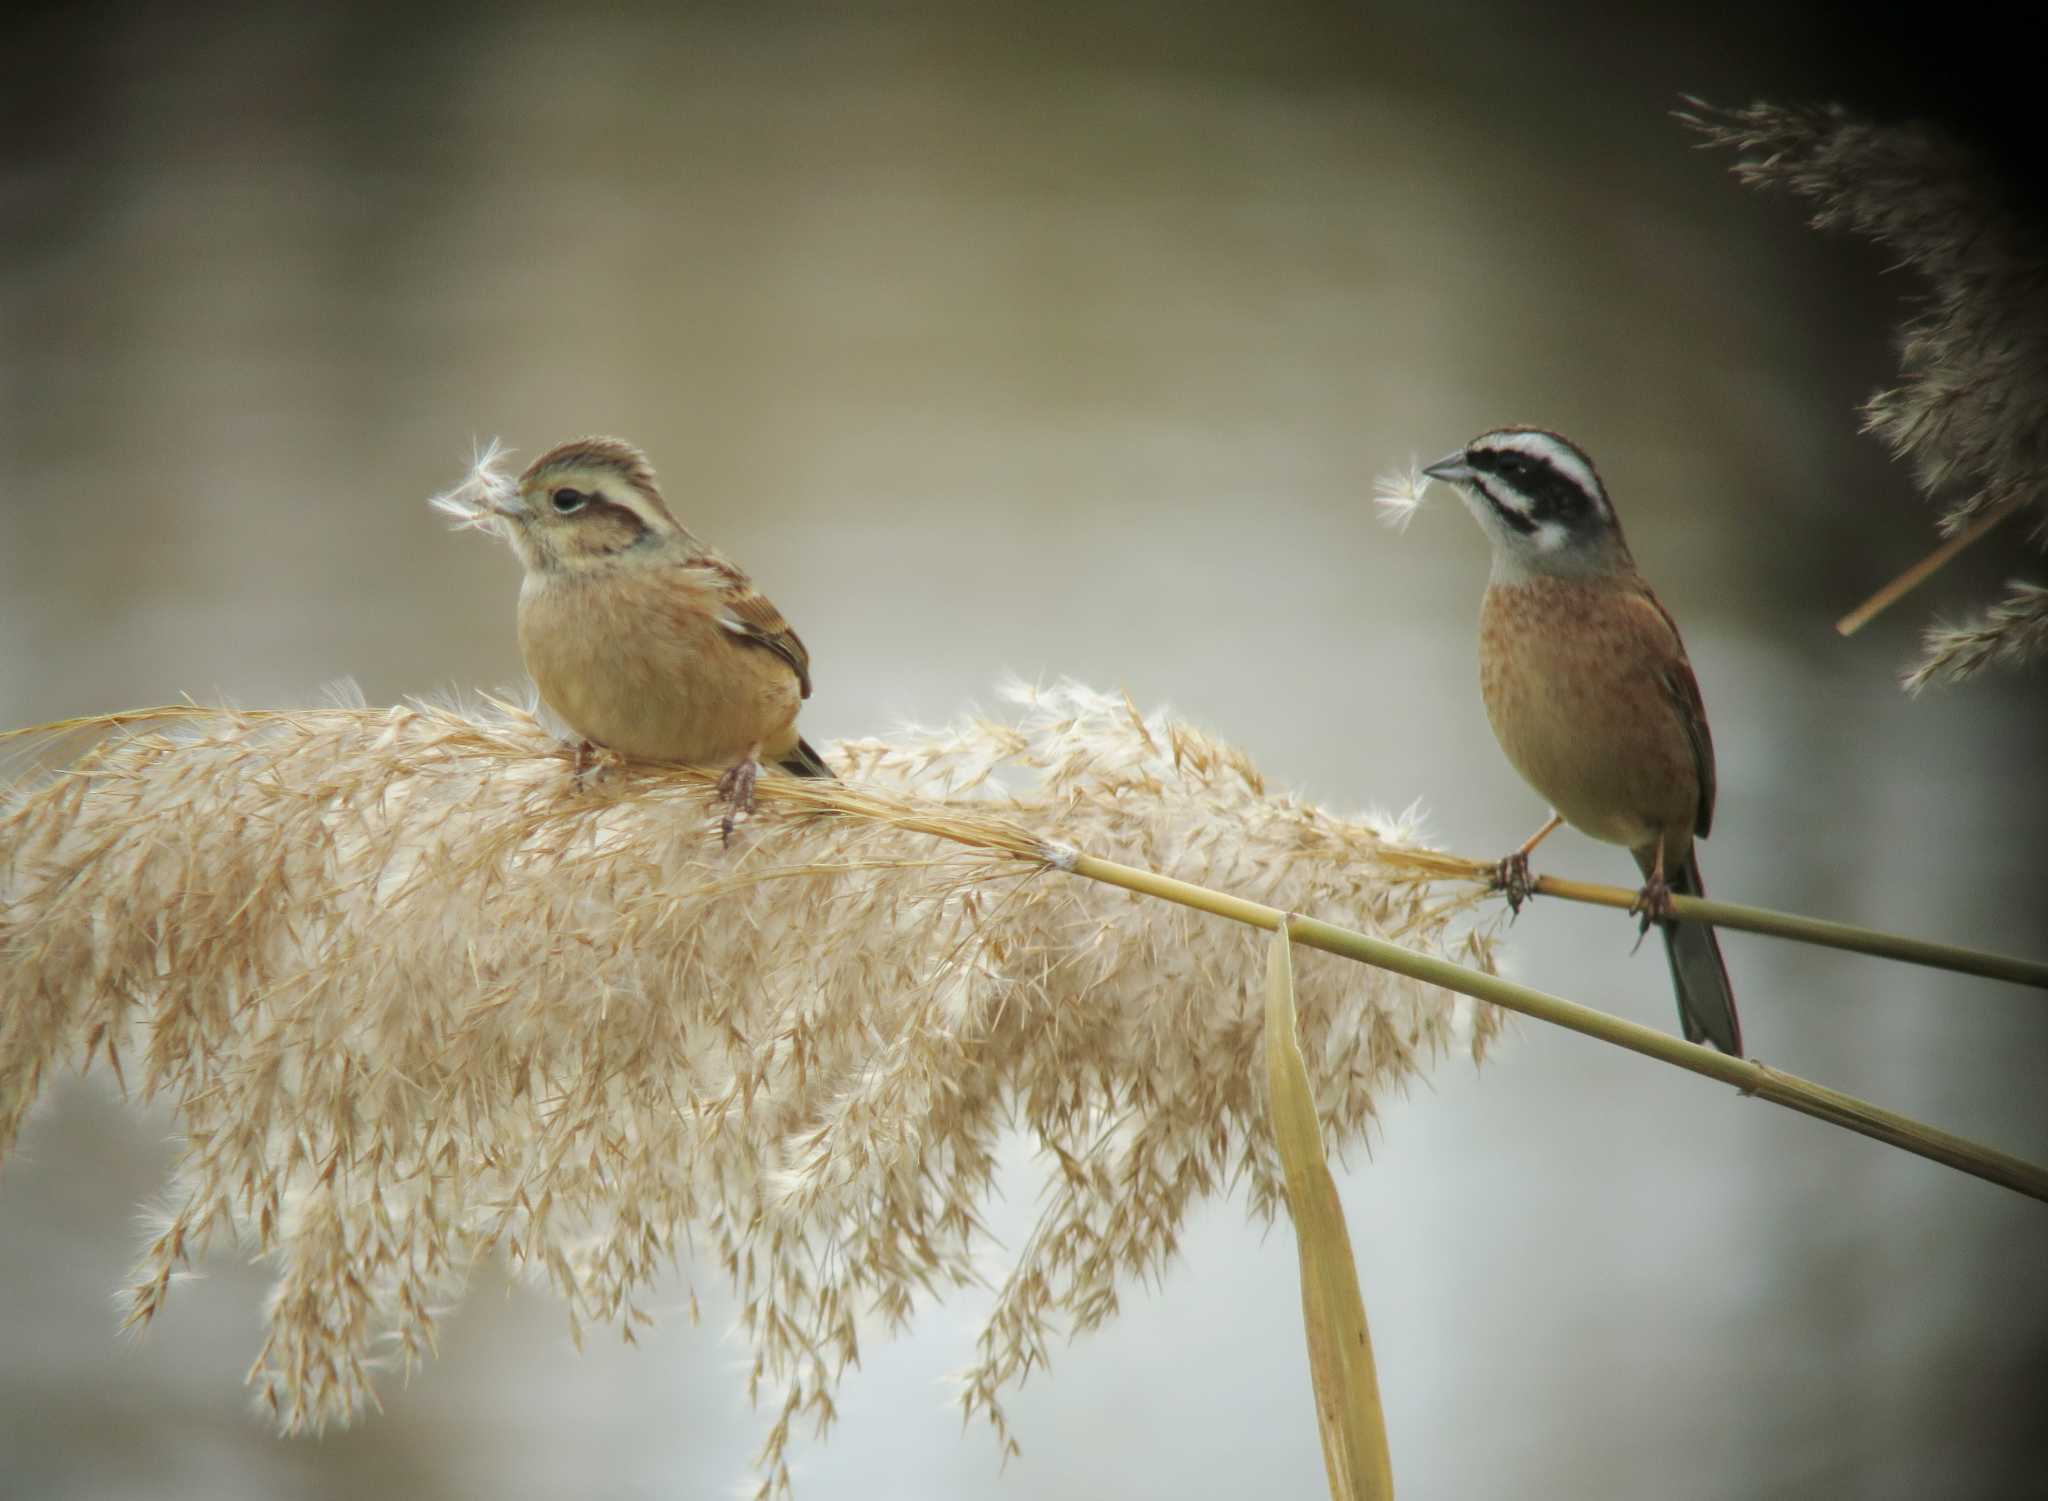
1747,1075
1773,924
1913,577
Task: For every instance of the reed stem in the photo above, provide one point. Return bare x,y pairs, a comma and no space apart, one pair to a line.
1773,924
1925,569
1747,1075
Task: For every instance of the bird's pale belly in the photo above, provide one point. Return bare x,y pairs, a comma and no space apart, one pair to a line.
666,722
692,696
1585,722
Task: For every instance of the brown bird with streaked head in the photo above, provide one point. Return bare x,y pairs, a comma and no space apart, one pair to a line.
643,639
1590,693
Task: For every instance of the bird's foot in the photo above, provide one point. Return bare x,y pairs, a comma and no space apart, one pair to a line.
1512,880
736,792
1653,904
583,765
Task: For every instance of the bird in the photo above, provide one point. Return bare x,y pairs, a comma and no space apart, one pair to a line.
640,637
1590,693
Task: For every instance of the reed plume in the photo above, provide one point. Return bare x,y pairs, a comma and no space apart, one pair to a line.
1971,410
419,993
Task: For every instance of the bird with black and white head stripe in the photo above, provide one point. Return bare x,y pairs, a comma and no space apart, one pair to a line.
1590,693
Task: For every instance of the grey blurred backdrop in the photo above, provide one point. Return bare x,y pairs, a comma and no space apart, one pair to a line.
1064,342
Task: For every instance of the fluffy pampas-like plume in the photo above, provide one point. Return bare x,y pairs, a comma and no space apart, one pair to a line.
1971,410
419,993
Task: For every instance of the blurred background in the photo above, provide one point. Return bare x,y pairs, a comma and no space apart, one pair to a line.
1068,341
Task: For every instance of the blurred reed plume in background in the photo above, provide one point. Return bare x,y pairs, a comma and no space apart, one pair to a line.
1971,411
419,994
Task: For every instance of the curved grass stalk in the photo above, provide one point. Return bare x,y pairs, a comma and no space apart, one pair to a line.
1773,924
1746,1074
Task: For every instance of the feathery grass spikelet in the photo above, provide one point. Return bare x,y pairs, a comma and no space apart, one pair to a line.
488,483
1399,494
419,994
2013,630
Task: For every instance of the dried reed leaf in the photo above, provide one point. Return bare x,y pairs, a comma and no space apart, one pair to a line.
1348,1416
419,994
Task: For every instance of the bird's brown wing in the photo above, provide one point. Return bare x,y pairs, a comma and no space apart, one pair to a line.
749,615
1683,689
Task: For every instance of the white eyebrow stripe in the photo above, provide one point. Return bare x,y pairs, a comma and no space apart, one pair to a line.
1506,496
1544,447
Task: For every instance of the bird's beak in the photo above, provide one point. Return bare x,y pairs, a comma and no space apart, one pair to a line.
511,510
1451,469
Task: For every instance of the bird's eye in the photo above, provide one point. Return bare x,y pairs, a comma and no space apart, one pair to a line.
568,502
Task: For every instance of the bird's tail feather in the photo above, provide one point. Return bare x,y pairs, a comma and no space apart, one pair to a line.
1706,1002
804,761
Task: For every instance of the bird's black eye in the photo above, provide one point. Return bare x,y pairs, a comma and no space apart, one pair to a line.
568,502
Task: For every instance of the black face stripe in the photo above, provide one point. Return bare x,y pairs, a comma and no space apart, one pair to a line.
1550,493
620,526
1515,519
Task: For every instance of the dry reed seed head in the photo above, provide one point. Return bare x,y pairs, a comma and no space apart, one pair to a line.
2009,633
419,994
1968,414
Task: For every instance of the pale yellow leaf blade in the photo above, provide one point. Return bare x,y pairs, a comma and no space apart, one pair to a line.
1348,1416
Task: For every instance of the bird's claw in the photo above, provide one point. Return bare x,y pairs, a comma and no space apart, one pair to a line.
1653,905
736,791
1512,880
